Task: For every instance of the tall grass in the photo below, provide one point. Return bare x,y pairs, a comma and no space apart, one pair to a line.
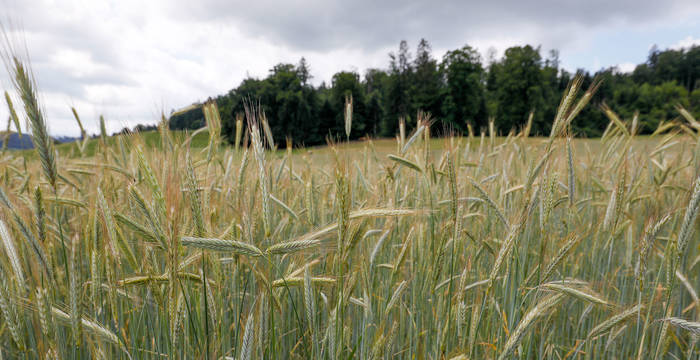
425,248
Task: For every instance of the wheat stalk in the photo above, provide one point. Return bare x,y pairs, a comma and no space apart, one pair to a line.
561,255
74,289
691,213
25,85
248,338
252,115
12,254
9,312
405,162
292,246
613,321
232,246
13,114
310,307
576,293
692,327
348,115
543,307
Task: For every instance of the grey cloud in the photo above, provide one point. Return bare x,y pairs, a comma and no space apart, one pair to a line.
331,33
51,79
30,21
324,25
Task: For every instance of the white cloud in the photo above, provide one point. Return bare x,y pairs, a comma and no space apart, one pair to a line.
686,43
626,68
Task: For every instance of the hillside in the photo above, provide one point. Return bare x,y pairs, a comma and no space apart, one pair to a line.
150,138
15,142
25,141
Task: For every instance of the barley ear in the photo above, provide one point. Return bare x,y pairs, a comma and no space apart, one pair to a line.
248,336
613,320
12,255
543,307
9,312
572,174
74,289
13,114
691,214
310,307
692,327
348,115
25,85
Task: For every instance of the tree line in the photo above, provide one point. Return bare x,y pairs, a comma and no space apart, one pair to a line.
458,91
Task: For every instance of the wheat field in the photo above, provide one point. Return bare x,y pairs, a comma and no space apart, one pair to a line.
478,247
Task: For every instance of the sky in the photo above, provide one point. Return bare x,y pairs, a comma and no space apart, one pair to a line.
130,60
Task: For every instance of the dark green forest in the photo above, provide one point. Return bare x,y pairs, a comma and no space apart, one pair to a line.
457,90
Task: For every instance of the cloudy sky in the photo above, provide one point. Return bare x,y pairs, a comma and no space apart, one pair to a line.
132,59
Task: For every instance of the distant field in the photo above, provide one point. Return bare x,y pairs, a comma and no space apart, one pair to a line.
150,138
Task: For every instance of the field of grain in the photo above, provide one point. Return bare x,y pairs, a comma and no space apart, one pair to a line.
477,247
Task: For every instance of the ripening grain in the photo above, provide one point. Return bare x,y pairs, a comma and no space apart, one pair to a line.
455,248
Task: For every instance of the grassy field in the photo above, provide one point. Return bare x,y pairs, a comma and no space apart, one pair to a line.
150,139
163,245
